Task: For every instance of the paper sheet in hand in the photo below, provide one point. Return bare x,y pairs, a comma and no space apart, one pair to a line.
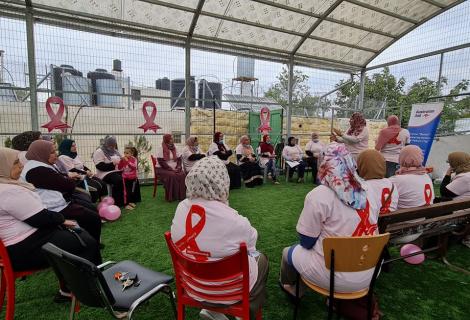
293,164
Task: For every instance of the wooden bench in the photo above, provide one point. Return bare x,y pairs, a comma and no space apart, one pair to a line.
441,220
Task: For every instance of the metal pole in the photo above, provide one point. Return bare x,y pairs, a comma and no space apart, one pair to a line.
290,86
187,90
361,90
32,69
441,62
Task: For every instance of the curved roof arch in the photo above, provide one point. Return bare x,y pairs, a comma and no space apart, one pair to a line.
343,35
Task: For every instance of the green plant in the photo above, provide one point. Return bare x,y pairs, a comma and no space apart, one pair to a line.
7,143
143,147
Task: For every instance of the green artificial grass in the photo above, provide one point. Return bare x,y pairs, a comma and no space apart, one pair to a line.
427,291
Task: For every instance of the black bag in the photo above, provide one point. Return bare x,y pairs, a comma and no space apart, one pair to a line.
357,309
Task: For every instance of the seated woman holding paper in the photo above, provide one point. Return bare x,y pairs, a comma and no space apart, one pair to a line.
293,156
249,167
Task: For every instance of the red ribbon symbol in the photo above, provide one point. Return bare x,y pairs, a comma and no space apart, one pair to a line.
149,119
265,118
188,242
364,227
56,118
427,194
394,140
386,201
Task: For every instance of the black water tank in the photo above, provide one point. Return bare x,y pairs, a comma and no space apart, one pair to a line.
166,83
93,76
178,94
158,84
57,73
208,93
117,65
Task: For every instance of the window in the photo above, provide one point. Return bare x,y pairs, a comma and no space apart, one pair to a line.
176,136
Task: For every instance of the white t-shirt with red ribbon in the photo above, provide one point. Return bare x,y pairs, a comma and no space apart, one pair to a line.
215,231
460,185
414,190
325,215
391,150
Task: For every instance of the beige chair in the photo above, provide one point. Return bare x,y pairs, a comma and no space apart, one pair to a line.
349,254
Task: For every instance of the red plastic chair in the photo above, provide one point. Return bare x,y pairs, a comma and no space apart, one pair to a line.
8,279
228,274
155,177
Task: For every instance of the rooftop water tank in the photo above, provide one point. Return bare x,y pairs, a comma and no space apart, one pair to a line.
209,93
112,86
117,65
245,67
77,84
58,73
163,84
97,75
178,95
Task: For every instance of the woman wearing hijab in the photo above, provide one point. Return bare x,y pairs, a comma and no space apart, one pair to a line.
249,168
106,159
223,228
457,187
414,186
26,225
54,189
220,149
333,209
293,153
267,158
313,150
357,136
70,161
170,169
390,142
191,153
371,167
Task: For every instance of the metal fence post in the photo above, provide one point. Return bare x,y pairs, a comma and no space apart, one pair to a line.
187,90
440,73
290,86
361,89
32,69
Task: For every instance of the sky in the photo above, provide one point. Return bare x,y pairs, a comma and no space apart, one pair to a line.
145,62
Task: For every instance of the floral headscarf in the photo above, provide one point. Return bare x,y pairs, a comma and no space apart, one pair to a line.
208,179
357,123
338,172
191,143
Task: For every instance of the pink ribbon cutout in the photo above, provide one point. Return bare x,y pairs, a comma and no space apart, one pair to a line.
149,119
56,118
265,118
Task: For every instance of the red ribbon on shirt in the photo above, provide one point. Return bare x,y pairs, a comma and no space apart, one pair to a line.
427,194
188,242
364,227
149,119
394,140
56,118
265,118
386,201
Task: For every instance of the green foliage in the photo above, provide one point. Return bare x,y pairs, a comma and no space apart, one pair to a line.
58,138
7,143
143,147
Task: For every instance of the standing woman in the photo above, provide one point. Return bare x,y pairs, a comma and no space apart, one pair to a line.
313,150
106,159
292,152
191,154
268,157
170,169
356,138
251,171
221,150
390,142
71,162
54,189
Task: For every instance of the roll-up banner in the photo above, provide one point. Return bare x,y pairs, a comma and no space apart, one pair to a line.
423,123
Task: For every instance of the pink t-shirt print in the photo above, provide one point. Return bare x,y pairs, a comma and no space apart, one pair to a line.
129,168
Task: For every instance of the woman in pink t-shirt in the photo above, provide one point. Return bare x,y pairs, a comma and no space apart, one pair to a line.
357,136
457,187
336,208
26,225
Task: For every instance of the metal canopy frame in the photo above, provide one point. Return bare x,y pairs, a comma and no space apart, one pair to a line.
45,11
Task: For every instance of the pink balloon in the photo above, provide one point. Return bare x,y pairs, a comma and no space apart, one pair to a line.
109,200
101,205
410,248
110,213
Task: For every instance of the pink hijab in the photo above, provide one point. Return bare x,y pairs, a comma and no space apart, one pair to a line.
388,133
40,150
167,147
411,160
